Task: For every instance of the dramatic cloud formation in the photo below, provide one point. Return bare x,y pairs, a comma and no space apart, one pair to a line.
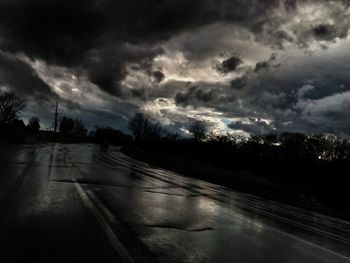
228,65
254,65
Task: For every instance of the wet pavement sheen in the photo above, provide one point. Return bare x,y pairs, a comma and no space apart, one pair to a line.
73,203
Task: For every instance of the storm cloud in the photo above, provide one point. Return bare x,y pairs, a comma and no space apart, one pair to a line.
104,57
228,65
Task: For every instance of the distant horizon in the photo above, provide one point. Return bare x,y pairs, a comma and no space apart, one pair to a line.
92,127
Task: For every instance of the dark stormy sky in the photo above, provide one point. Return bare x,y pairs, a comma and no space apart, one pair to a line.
239,65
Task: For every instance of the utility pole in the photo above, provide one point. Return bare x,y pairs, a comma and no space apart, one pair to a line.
56,118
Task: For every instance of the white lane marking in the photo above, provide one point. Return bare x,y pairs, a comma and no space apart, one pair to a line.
118,247
242,218
89,202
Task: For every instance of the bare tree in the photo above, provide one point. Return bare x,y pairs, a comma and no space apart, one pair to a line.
10,106
79,128
34,123
140,126
66,125
72,127
198,130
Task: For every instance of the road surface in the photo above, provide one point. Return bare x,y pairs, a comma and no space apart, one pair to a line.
73,203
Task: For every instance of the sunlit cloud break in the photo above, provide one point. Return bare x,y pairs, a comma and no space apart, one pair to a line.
249,66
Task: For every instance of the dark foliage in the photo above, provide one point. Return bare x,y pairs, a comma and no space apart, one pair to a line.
14,132
11,128
145,130
66,125
10,106
198,130
140,126
110,135
34,123
69,126
298,164
79,128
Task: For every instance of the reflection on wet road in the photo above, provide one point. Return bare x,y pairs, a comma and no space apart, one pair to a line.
73,202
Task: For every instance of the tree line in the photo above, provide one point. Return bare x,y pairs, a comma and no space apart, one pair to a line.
298,165
148,133
219,148
311,165
12,128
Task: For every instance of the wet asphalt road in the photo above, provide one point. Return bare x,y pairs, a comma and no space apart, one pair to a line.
73,203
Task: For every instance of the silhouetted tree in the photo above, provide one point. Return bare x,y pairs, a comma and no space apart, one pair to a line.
198,130
342,149
34,123
140,126
110,135
66,125
10,106
293,145
156,131
79,128
72,127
